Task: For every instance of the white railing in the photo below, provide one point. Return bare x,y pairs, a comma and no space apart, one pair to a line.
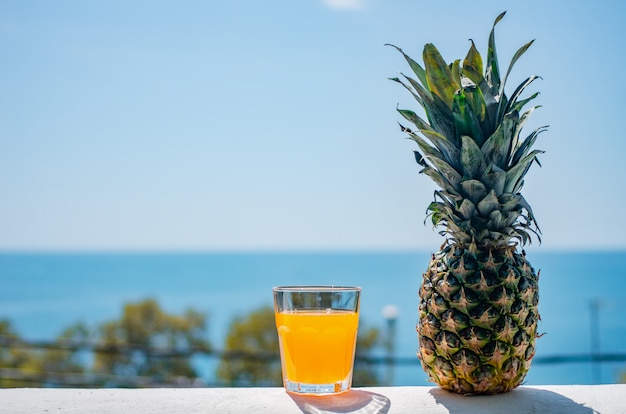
562,399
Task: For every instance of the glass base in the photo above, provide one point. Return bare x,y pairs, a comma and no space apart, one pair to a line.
317,389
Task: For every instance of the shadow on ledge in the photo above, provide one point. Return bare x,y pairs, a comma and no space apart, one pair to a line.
519,400
353,401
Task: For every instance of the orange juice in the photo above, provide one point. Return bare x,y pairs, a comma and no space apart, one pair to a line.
317,347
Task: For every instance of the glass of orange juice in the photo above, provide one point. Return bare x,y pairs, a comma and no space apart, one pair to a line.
317,329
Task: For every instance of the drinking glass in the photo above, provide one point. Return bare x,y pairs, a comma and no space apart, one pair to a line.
317,330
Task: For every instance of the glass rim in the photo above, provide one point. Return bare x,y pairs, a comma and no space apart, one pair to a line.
316,288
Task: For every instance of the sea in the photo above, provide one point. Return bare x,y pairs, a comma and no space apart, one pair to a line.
582,298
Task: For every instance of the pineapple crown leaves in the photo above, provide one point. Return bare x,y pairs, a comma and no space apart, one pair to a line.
470,143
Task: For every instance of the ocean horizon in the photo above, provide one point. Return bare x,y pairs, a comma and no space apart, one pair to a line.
41,293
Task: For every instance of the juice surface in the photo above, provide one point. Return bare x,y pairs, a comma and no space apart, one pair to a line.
317,346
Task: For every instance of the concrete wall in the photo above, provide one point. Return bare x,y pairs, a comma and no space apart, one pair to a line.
575,399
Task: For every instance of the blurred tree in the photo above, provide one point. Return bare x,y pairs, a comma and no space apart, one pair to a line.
64,357
253,344
148,342
11,356
253,354
365,374
24,365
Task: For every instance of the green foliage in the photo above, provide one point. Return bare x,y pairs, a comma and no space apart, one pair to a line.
156,344
23,366
365,375
146,346
254,338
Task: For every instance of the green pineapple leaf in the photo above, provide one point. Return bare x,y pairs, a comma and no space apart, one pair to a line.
474,190
413,118
472,160
448,151
467,209
515,58
496,220
440,118
483,102
416,67
495,178
439,76
519,105
441,181
526,145
476,100
492,71
496,148
447,171
435,212
518,91
415,95
465,120
473,64
488,204
430,153
455,69
425,97
514,177
515,142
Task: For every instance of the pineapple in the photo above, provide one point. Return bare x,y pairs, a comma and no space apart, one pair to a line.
478,310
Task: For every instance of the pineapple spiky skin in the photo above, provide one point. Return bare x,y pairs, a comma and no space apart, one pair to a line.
479,295
478,319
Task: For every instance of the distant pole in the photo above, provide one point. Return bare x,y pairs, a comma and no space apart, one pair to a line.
390,313
594,318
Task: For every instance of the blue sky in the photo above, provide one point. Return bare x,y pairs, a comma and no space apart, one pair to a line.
241,124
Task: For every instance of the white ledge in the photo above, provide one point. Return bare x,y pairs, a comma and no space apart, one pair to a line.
565,399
